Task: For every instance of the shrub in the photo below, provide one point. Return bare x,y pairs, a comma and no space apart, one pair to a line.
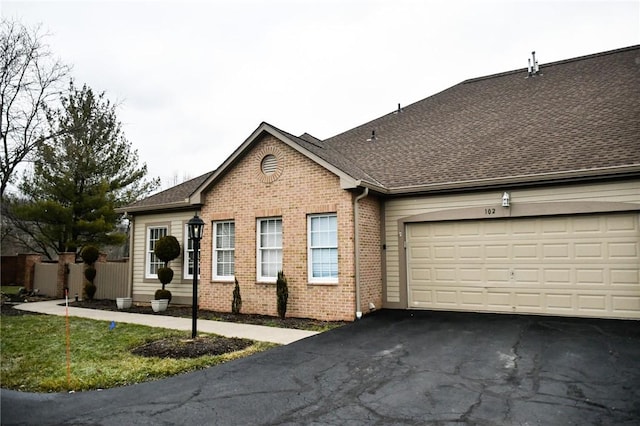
236,304
165,275
89,255
162,294
282,291
90,290
167,248
90,273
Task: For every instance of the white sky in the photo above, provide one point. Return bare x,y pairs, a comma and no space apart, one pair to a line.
195,78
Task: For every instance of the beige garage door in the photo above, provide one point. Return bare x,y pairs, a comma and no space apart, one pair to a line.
584,265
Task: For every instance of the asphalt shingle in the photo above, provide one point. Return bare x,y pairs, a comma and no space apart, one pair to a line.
579,114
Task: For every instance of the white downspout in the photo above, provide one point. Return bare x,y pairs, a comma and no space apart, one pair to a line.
131,240
357,249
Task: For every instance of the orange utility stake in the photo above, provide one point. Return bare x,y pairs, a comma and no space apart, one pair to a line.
66,292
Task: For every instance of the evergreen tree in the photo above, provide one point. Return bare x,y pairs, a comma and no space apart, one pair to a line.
80,177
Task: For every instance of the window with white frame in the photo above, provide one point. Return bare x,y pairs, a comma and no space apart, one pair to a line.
188,254
269,248
224,241
322,241
154,233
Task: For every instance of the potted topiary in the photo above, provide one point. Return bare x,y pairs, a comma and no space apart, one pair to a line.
89,256
166,249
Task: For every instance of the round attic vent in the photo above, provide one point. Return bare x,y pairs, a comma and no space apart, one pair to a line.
269,164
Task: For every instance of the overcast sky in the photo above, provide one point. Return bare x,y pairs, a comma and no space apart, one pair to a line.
195,78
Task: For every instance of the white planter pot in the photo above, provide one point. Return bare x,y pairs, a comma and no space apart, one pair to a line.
159,305
123,302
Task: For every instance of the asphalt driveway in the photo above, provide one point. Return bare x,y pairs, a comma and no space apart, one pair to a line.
393,367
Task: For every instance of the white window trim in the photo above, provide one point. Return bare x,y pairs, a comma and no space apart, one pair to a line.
185,254
259,276
147,254
214,257
311,278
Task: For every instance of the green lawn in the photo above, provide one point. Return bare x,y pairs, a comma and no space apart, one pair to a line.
34,354
10,289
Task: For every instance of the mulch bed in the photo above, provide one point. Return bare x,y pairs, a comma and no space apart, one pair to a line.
186,312
191,348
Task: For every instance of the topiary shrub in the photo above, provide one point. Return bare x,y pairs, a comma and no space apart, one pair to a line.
236,304
90,273
90,290
282,292
166,249
162,294
165,275
89,254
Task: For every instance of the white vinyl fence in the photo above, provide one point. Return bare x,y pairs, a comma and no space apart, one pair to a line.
45,278
111,280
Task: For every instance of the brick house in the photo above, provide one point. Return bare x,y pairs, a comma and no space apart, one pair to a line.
517,192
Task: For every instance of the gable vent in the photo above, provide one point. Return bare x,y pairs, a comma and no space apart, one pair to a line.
269,164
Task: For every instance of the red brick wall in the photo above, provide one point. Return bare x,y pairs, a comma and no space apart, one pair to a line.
303,187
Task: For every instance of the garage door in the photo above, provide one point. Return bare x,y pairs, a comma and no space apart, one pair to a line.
584,265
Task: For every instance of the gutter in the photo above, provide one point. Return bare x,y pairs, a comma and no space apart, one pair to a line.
532,179
357,248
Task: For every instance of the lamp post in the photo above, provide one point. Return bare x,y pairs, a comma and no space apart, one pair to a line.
196,228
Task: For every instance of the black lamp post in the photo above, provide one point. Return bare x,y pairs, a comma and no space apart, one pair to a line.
196,228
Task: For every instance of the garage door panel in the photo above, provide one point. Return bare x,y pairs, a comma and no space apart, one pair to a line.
595,250
623,250
571,265
625,277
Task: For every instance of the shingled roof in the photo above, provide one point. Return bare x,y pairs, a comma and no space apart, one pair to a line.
579,117
176,197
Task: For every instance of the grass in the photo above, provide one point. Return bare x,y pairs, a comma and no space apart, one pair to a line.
10,289
34,356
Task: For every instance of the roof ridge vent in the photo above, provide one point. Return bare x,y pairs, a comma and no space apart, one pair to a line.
533,69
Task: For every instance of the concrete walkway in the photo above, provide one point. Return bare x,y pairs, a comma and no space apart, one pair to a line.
282,336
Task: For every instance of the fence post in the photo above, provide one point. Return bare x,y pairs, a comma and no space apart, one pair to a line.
27,270
63,271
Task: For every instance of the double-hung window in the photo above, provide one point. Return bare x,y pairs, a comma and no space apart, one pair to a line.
188,254
322,241
269,248
154,233
224,241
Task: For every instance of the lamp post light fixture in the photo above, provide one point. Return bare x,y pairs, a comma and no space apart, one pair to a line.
196,228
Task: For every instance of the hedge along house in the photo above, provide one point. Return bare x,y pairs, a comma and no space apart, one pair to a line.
517,192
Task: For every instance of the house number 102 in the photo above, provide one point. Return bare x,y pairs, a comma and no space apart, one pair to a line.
489,211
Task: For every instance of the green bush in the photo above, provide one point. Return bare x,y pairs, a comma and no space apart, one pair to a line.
236,304
165,275
90,274
89,255
162,294
167,248
90,290
282,292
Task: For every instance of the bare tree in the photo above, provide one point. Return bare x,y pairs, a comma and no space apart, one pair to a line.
30,79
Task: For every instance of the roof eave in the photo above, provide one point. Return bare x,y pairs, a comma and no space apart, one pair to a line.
157,208
541,178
